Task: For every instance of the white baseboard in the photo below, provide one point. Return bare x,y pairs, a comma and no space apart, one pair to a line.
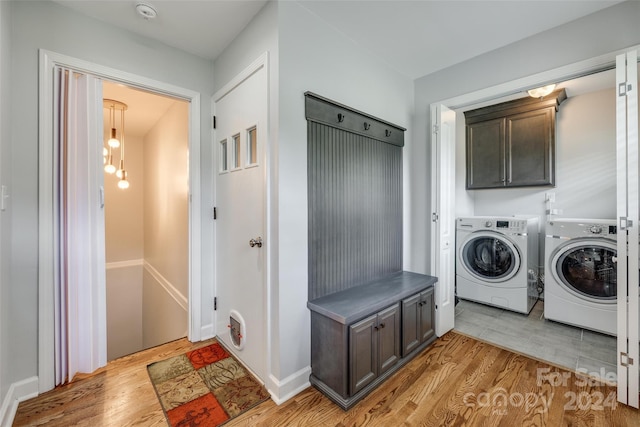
283,390
18,392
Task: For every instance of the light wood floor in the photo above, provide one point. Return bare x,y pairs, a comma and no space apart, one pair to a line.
458,381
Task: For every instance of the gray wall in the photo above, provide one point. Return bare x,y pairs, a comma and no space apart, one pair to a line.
88,39
603,32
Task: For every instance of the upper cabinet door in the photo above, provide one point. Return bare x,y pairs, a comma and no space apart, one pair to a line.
485,154
529,148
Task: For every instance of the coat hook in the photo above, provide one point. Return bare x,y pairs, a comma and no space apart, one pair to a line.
387,133
367,126
340,117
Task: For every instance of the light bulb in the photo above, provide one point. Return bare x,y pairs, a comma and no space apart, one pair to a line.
123,184
113,141
105,152
109,168
104,160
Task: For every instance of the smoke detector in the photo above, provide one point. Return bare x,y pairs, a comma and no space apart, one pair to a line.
146,11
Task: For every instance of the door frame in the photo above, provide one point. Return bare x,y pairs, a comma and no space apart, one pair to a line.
261,62
566,72
47,62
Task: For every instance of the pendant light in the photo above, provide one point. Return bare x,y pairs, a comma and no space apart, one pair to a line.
114,142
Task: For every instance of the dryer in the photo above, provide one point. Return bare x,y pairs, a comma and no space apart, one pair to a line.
580,273
497,261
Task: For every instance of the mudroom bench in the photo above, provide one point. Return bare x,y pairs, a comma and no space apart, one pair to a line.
362,335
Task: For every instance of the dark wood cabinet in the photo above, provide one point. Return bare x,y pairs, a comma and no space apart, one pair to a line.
418,319
374,347
356,334
512,144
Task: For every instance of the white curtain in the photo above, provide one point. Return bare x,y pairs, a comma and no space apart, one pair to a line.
80,302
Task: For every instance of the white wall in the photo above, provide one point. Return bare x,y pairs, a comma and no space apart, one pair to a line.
166,227
579,40
5,217
88,39
124,246
124,310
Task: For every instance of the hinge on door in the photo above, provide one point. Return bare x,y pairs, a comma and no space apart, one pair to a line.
625,360
215,213
434,217
214,122
624,88
436,128
215,303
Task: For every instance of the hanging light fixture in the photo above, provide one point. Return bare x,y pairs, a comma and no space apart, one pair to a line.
114,142
541,92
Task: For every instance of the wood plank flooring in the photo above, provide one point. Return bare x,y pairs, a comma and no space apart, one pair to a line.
458,381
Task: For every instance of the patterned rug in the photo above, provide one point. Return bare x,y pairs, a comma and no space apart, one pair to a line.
204,387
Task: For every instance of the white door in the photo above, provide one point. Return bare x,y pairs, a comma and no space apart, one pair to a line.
443,146
240,139
628,214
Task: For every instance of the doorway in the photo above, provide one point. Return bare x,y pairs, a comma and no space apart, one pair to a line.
47,220
467,205
146,224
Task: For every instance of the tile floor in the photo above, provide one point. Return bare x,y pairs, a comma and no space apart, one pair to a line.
533,335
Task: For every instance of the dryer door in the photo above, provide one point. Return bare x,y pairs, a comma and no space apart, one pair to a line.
490,257
587,269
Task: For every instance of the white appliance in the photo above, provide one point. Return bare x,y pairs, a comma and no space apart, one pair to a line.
497,261
580,273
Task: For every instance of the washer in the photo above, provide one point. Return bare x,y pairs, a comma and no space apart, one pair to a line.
580,273
497,261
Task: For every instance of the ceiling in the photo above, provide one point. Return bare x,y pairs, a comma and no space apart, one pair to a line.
414,37
144,109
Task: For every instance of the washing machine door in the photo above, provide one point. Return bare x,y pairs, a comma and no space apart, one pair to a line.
489,257
587,269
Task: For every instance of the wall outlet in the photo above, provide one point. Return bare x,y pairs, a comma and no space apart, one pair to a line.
550,197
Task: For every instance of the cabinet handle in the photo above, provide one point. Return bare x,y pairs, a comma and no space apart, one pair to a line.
381,325
376,328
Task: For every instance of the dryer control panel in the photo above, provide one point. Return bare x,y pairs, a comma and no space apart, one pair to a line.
582,228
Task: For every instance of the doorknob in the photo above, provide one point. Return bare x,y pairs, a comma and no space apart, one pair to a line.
256,242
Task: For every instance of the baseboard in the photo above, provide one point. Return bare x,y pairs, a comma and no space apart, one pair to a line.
283,390
18,392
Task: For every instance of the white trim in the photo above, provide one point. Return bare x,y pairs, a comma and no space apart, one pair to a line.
253,68
18,392
46,251
124,264
167,286
290,386
207,332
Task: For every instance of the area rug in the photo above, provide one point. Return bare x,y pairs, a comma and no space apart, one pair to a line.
205,387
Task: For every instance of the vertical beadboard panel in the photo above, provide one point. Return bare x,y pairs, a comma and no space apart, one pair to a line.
355,209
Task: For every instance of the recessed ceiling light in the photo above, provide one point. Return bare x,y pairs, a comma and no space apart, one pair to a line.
146,10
